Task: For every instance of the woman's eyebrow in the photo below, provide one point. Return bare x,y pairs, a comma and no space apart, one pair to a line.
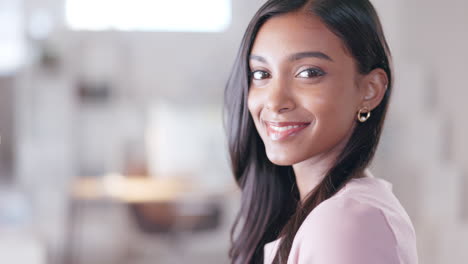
306,54
296,56
257,58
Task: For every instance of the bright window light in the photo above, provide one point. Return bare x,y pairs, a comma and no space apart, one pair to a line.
149,15
12,41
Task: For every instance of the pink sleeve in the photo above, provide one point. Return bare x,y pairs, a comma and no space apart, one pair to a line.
345,231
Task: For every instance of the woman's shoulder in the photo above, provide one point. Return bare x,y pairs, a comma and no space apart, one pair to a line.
362,204
344,212
345,230
342,230
364,221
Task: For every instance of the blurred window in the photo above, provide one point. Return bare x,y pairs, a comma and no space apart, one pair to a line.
12,41
149,15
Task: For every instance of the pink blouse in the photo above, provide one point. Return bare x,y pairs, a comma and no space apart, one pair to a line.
363,223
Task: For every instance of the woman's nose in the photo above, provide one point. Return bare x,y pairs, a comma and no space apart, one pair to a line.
279,98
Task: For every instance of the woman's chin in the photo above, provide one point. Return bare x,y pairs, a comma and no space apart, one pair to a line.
281,160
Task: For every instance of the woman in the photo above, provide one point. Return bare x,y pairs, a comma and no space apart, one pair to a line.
305,105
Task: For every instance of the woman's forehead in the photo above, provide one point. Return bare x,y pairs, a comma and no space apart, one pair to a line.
296,32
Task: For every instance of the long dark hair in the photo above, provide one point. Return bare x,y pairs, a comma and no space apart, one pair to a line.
270,204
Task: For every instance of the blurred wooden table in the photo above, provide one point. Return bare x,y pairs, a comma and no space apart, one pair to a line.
130,190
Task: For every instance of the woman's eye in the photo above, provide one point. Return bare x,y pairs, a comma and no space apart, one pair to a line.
310,73
260,75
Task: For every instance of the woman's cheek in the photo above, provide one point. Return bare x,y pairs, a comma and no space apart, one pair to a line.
254,103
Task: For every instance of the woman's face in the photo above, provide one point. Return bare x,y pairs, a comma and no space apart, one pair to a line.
305,88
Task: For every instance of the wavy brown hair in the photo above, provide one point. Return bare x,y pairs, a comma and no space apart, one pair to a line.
270,203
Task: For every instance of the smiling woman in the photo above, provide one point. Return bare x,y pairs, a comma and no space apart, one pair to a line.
301,136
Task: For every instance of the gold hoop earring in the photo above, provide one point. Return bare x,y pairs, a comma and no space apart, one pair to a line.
362,118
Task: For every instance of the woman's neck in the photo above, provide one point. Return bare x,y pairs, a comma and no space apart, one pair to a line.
309,173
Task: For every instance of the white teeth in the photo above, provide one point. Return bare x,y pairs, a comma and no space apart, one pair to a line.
281,129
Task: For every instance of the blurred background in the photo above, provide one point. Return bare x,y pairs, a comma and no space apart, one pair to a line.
100,103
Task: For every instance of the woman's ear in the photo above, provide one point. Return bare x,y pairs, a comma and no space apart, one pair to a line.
373,87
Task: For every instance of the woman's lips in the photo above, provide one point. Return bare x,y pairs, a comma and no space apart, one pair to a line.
281,130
